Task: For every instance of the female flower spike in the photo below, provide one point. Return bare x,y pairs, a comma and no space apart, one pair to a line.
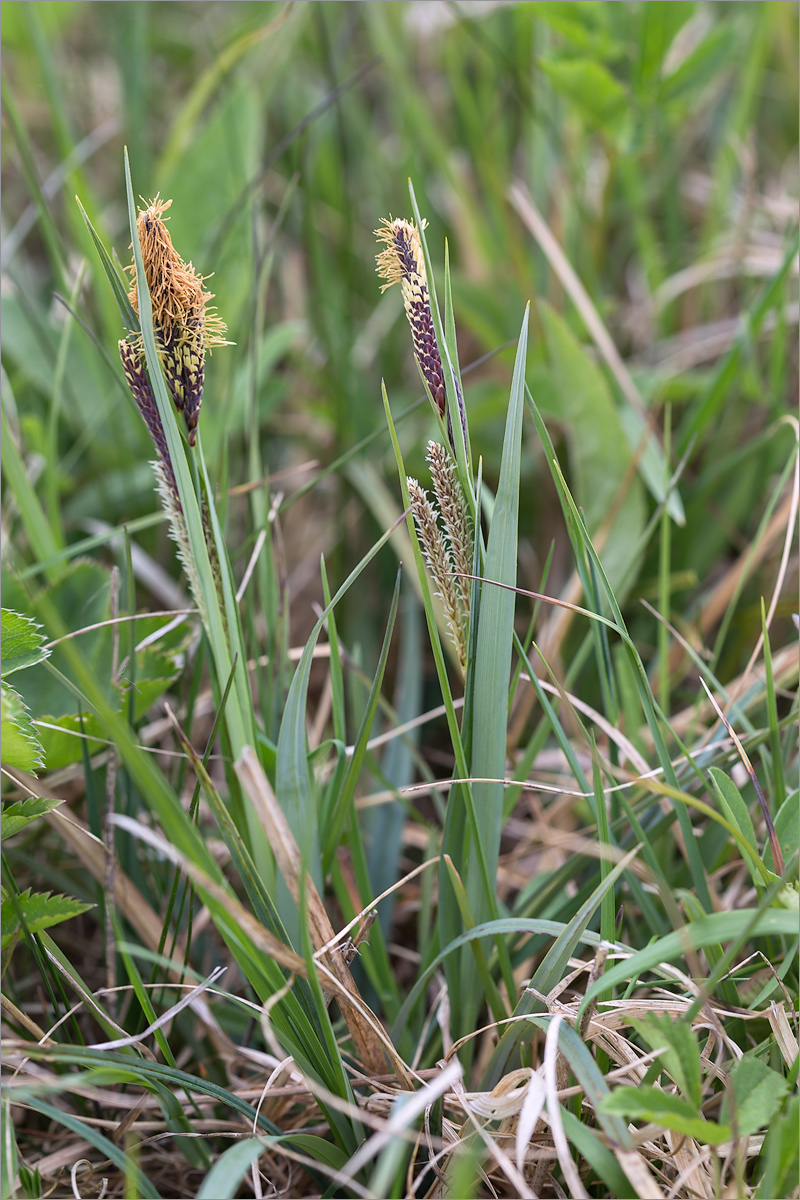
184,325
403,261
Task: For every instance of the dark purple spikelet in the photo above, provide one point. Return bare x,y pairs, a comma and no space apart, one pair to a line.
183,360
136,376
184,324
403,261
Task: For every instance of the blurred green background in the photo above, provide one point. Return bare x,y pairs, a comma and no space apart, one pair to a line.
658,142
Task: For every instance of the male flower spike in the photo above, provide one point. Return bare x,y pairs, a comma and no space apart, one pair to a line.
184,325
403,261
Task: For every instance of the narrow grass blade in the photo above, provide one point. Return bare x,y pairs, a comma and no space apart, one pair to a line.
708,931
488,715
107,1148
35,523
550,971
119,285
293,779
343,809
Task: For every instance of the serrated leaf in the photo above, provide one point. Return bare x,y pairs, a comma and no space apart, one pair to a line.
21,645
81,597
21,747
40,910
19,815
651,1105
682,1056
755,1096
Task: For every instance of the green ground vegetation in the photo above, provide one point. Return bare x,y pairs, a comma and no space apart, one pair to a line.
350,855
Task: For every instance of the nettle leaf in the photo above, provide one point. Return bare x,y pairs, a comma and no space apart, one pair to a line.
754,1097
82,598
64,738
21,747
651,1105
21,645
19,815
40,910
681,1058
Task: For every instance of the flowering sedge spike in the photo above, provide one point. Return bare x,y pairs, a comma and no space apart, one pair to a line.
403,262
166,485
136,376
438,559
455,517
184,324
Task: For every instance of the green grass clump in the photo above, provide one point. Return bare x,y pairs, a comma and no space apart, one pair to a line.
427,824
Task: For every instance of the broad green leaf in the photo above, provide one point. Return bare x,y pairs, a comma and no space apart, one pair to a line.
650,1104
21,746
64,738
600,455
81,596
590,86
754,1097
580,31
21,645
19,815
39,910
681,1057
